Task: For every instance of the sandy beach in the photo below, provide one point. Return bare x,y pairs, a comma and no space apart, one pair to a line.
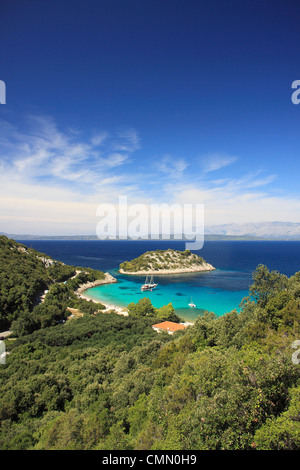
109,279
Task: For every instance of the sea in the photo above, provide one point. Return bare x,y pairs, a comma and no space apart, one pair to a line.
218,291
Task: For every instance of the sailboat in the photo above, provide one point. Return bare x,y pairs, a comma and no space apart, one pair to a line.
149,285
191,304
152,284
146,285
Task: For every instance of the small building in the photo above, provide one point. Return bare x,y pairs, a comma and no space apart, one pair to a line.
168,326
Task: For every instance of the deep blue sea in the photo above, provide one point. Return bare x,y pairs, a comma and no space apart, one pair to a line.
219,291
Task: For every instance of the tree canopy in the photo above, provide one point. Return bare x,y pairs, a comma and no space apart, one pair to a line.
109,381
25,274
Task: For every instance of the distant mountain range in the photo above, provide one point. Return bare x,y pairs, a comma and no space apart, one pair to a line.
24,237
247,231
265,230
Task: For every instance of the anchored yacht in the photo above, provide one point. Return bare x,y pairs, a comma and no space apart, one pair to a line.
191,304
149,285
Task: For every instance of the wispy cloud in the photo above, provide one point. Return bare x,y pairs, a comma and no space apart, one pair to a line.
256,179
52,180
128,141
171,166
249,181
43,151
215,162
99,138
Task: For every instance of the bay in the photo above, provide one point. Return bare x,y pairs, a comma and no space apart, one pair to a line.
219,291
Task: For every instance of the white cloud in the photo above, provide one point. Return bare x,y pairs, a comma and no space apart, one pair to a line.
253,182
172,167
99,138
45,152
114,159
215,162
52,181
234,202
128,141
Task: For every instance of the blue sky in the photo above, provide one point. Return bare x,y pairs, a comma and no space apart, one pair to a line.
162,101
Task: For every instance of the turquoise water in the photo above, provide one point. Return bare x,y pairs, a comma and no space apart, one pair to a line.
177,289
219,291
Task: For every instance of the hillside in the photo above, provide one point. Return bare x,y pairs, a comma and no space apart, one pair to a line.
109,382
25,274
165,262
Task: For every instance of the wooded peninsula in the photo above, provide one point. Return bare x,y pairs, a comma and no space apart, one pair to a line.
165,262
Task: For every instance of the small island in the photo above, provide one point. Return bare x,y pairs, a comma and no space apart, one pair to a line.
165,262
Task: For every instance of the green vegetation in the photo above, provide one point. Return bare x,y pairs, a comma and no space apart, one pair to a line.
111,382
24,275
154,261
144,308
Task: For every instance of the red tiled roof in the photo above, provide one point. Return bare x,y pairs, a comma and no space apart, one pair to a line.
169,326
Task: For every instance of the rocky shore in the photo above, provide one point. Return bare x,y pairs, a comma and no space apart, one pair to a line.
191,269
109,279
165,262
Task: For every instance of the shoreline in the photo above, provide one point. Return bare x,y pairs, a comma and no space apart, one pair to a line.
197,269
109,279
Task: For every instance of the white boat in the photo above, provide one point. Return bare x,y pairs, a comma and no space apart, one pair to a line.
146,285
152,284
149,285
191,304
